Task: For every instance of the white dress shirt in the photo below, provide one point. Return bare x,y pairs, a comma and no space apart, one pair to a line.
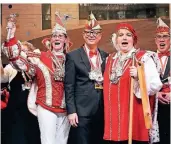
94,58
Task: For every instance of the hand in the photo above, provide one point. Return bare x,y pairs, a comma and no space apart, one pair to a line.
167,96
12,26
133,72
163,98
73,119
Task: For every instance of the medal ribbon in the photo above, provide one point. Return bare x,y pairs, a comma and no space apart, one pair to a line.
163,64
56,61
125,65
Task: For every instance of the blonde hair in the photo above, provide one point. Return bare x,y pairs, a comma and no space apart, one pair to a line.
28,45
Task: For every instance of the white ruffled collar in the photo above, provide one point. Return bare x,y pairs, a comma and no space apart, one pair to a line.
127,56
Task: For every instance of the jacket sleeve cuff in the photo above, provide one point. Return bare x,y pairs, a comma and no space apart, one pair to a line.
11,42
71,110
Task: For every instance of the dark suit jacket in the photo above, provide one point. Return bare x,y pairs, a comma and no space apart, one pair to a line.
166,72
80,93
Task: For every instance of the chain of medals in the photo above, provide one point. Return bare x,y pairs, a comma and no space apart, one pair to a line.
96,72
118,68
59,67
27,83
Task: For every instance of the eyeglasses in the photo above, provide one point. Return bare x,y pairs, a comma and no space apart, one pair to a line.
165,37
60,36
94,33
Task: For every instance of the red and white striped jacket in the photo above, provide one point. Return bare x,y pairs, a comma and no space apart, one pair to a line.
50,93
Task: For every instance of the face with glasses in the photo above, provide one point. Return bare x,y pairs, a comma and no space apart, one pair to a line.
163,41
92,37
58,41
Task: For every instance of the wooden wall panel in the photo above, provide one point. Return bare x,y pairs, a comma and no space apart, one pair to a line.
29,22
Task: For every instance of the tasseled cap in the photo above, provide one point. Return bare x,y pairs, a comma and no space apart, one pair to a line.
46,43
59,26
129,28
92,23
161,27
69,44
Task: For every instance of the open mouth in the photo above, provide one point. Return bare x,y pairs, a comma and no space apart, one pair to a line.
57,43
162,44
124,43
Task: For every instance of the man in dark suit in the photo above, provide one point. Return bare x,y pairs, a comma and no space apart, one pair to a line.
84,88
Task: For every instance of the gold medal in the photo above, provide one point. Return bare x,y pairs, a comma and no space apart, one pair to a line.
98,86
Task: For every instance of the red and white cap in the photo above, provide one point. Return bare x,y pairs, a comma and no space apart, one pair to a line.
92,23
162,27
130,28
59,26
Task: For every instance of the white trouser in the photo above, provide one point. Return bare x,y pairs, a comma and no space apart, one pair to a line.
54,127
